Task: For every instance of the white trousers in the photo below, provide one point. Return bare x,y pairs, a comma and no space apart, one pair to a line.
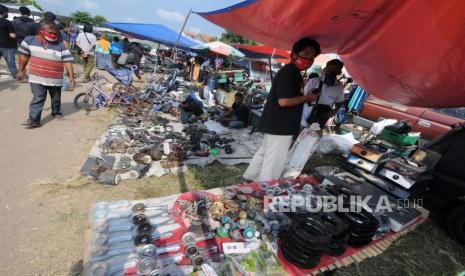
269,161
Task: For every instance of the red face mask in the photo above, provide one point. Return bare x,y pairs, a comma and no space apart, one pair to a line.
303,63
49,37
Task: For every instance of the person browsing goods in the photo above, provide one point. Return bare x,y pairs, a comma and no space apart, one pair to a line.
331,95
282,113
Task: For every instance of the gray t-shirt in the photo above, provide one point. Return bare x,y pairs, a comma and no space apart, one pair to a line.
86,41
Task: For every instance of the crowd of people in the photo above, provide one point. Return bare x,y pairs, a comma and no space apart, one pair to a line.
293,103
45,48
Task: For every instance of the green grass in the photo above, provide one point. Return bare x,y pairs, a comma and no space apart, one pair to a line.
426,251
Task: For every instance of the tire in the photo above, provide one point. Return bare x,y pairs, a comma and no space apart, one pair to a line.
85,101
456,224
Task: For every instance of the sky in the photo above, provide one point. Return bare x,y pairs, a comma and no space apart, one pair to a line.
168,12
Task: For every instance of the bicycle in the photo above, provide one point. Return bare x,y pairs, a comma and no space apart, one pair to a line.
119,98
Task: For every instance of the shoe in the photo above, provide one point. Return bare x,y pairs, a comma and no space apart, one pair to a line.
86,80
58,116
31,124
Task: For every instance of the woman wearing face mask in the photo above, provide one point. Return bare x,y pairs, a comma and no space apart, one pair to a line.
282,113
47,57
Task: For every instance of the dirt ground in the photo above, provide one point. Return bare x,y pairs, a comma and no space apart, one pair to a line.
44,202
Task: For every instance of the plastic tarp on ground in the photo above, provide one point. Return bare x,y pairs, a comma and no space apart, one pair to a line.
155,32
409,52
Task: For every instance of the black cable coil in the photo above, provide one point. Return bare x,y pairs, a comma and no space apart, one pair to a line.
312,235
362,225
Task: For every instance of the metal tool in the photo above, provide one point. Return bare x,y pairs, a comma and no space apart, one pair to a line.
190,238
151,251
112,266
100,253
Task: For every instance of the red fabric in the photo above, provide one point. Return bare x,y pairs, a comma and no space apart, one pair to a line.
408,52
263,49
289,268
46,68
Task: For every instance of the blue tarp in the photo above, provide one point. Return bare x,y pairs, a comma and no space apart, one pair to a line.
154,32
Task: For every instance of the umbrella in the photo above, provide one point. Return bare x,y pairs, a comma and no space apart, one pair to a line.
218,48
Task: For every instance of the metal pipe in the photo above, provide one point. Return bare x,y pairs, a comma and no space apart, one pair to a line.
180,33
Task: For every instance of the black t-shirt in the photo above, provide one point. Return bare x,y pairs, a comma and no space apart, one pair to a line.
24,26
241,111
6,27
278,120
192,107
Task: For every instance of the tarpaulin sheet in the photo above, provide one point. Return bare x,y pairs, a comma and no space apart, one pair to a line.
154,32
262,51
409,52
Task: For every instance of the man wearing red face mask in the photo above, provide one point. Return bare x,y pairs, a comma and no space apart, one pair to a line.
282,113
47,57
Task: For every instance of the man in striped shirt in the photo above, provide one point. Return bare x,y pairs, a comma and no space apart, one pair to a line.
47,57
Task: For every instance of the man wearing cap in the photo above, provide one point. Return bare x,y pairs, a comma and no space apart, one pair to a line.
7,41
24,25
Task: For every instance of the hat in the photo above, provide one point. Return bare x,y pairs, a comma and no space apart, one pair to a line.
24,10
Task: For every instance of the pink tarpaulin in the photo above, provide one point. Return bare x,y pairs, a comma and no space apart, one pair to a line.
405,51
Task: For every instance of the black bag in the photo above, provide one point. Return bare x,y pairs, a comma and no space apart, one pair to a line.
315,106
320,114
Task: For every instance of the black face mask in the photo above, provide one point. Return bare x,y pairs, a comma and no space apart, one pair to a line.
330,77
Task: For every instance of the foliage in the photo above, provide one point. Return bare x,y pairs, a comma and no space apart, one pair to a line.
23,2
100,19
82,17
235,38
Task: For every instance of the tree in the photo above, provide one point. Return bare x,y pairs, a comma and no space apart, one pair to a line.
235,38
82,17
23,2
100,19
31,2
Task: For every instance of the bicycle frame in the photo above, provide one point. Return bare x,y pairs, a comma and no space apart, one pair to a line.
109,98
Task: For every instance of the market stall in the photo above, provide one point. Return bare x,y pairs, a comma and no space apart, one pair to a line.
154,32
373,38
222,231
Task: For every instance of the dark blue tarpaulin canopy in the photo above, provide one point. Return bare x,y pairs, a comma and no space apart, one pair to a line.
154,32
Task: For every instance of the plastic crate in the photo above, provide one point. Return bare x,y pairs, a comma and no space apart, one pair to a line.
399,139
405,153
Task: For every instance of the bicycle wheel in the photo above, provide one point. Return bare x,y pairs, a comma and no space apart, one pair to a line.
123,88
126,103
85,101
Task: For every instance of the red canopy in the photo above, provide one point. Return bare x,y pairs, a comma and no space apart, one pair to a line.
406,51
263,51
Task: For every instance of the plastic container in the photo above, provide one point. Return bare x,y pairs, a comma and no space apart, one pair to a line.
399,139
